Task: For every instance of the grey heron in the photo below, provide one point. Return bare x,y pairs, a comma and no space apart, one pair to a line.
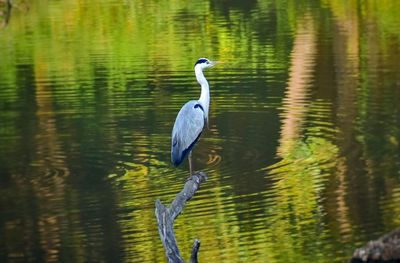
191,119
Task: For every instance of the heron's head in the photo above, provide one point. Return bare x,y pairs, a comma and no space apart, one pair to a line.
204,63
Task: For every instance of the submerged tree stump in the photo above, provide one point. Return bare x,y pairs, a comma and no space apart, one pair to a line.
166,216
383,250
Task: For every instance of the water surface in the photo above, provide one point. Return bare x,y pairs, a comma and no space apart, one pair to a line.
302,152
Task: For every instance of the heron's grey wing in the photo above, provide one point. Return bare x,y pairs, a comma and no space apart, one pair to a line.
187,129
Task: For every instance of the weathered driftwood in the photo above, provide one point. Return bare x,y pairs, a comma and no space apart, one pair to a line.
166,216
384,249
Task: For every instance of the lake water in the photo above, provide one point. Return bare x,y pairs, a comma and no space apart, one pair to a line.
302,153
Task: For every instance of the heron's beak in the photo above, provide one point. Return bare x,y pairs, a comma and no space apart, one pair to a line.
217,62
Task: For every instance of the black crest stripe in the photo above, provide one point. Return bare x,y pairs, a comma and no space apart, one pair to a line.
202,60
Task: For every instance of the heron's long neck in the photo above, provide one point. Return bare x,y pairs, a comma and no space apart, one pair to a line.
205,90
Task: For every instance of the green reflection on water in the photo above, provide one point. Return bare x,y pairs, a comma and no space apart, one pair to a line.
89,89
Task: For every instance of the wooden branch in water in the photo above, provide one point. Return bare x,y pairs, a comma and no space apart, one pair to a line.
166,216
384,249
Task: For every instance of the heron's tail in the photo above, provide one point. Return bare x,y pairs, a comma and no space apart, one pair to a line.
178,152
177,155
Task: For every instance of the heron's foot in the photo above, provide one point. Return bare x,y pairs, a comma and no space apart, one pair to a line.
190,176
196,176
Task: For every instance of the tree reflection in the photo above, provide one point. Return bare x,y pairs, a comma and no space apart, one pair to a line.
89,90
307,158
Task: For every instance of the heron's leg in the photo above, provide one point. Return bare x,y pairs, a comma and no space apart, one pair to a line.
190,163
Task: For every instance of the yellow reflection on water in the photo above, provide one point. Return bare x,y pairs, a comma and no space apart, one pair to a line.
136,219
77,48
308,158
